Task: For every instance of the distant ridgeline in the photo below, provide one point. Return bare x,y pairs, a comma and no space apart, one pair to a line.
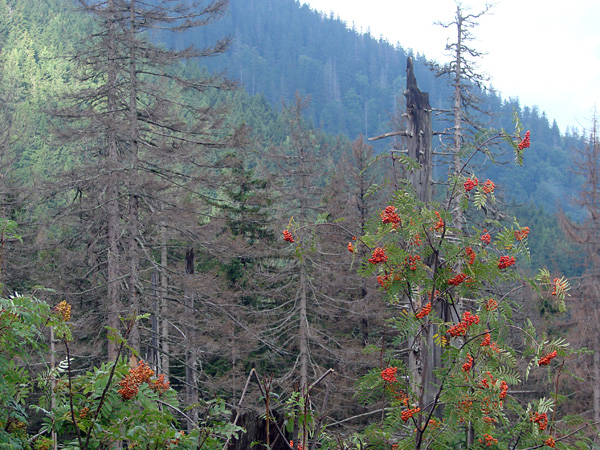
356,82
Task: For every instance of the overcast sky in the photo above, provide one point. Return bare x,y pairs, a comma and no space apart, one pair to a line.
546,52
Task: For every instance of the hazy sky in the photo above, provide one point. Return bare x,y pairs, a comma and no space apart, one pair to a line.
546,52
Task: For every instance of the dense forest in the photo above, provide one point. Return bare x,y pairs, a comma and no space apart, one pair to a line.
200,247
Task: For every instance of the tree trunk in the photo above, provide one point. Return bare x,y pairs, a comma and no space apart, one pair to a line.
113,219
164,286
191,377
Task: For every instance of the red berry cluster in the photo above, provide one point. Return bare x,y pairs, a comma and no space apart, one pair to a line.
409,413
485,238
287,236
458,279
416,241
470,184
560,286
412,261
550,442
350,247
388,215
467,366
389,374
299,446
378,256
425,311
487,340
541,420
545,360
460,329
141,374
440,222
521,234
488,187
525,143
491,305
489,440
470,254
505,261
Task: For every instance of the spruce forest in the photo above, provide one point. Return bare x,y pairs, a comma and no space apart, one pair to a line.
241,224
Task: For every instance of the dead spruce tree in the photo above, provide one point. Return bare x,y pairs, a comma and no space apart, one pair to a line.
151,154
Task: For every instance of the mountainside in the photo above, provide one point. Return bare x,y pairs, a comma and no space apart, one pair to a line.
356,82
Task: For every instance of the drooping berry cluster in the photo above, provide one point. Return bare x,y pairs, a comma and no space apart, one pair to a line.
409,413
488,187
550,442
526,142
491,305
287,236
486,238
378,256
470,184
412,261
468,365
521,234
560,286
458,279
350,247
300,447
505,261
460,329
545,360
541,420
388,215
470,254
389,374
440,222
425,311
130,384
488,440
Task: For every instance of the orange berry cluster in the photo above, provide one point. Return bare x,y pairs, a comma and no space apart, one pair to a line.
489,420
409,413
545,360
521,234
491,305
141,374
63,309
486,238
489,440
505,261
466,367
378,256
84,412
560,286
425,311
470,184
389,374
460,329
471,255
416,241
488,187
526,142
299,446
487,340
541,420
412,261
503,385
550,442
388,215
287,236
440,222
350,248
458,279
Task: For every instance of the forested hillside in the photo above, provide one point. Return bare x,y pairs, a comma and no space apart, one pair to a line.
356,81
183,261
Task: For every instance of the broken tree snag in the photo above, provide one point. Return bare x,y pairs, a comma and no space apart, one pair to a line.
419,134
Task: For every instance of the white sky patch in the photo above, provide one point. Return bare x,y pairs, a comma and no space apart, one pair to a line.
546,53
